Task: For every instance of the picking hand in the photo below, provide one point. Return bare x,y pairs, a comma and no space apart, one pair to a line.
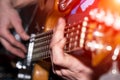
9,19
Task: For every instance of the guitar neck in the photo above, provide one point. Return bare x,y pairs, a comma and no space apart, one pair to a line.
88,35
74,33
41,42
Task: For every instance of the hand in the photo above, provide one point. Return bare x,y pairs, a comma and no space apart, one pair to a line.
65,65
9,19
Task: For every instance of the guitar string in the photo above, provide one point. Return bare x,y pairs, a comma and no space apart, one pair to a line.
42,36
44,44
46,54
46,39
43,49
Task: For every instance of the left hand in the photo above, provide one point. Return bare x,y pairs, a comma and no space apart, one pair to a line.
65,65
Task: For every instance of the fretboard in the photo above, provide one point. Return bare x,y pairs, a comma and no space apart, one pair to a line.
75,35
94,34
41,48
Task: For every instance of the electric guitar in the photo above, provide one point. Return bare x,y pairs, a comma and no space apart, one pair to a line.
92,39
41,18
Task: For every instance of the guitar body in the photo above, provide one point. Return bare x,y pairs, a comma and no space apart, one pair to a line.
41,71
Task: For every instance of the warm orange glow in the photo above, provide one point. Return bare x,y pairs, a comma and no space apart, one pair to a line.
111,5
118,1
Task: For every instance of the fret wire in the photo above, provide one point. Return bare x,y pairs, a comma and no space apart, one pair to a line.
73,25
68,32
75,34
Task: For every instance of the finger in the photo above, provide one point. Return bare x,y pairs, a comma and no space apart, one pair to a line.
58,31
11,39
68,74
82,76
72,64
57,71
64,75
58,53
17,24
10,48
58,40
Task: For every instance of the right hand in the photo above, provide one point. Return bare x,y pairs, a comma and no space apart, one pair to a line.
10,19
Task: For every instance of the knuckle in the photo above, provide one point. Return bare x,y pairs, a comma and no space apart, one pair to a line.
18,21
9,48
56,61
64,72
58,73
13,42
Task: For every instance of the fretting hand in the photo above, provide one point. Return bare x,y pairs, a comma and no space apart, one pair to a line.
65,65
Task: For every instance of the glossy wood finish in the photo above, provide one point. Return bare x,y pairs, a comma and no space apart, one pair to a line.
41,71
